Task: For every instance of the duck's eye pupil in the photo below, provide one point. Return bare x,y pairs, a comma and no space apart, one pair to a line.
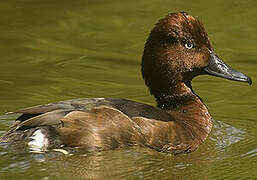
189,45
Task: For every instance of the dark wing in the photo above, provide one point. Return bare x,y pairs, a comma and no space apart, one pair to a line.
128,107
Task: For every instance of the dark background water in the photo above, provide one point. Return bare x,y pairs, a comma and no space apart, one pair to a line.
57,50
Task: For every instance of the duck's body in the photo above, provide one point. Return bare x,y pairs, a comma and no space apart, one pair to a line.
177,50
105,123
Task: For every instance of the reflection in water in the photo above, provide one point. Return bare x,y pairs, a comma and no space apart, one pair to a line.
122,164
251,153
224,135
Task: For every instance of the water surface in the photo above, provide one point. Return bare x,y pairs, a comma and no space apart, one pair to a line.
57,50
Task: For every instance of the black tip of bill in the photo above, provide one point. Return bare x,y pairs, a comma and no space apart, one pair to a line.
249,80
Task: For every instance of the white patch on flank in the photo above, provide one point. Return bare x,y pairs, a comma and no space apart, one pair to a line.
38,141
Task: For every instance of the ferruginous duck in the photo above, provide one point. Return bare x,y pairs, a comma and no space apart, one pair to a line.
176,51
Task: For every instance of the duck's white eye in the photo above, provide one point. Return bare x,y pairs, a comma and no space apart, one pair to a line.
189,45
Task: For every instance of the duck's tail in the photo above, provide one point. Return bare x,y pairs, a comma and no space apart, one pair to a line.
38,138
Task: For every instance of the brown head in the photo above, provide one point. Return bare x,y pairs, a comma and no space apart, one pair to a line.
177,50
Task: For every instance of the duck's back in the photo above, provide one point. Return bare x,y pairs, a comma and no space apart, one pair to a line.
91,123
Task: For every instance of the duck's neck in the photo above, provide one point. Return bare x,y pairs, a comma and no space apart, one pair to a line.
189,112
175,95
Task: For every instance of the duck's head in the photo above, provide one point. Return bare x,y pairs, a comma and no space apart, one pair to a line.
177,50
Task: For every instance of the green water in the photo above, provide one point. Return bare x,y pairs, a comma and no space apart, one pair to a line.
57,50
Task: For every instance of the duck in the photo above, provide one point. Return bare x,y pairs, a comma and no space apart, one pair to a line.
176,50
